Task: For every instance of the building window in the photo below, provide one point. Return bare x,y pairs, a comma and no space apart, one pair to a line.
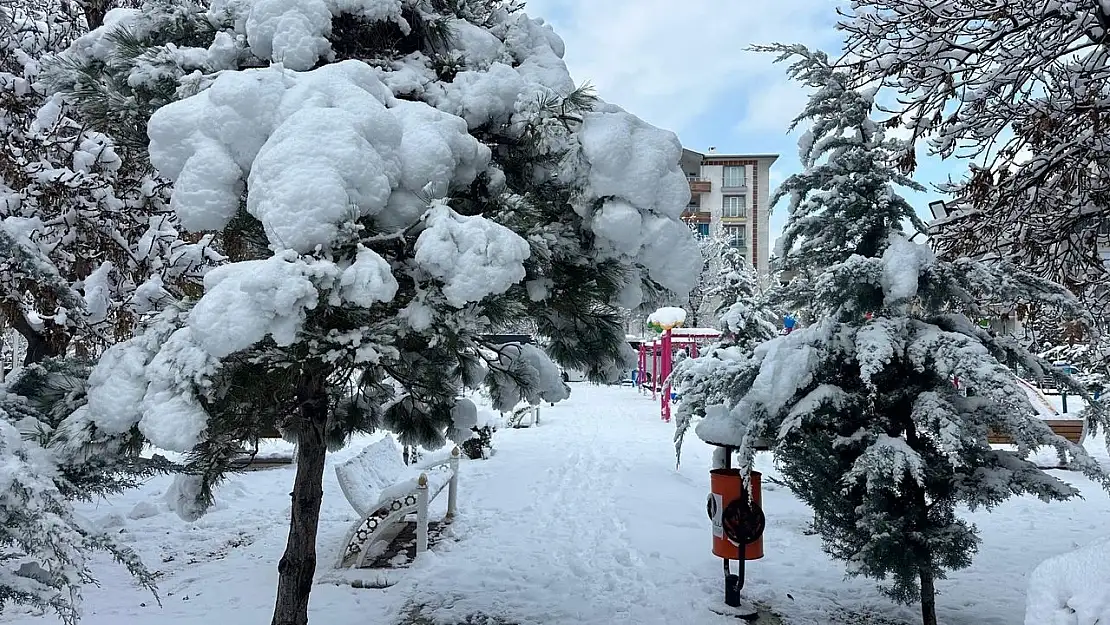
703,230
737,236
735,206
735,176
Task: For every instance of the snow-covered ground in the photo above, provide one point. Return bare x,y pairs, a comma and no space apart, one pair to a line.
582,520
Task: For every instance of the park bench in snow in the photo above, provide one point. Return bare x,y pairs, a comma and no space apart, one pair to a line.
385,493
1071,428
524,416
1074,430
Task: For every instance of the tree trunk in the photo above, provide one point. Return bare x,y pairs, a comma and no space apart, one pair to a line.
928,598
298,564
38,350
40,346
925,571
95,10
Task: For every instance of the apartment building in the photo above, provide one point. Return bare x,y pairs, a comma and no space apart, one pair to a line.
729,193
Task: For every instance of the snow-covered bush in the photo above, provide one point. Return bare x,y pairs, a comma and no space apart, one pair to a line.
393,180
1071,588
44,544
865,422
472,429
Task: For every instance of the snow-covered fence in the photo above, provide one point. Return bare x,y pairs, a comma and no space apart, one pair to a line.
386,494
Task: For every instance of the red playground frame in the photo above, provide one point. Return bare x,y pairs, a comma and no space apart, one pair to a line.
661,353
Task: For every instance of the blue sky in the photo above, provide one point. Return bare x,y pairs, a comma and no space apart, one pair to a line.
683,66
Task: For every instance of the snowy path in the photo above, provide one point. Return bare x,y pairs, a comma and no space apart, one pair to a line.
582,520
575,525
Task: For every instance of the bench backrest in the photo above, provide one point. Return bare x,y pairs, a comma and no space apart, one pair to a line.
366,476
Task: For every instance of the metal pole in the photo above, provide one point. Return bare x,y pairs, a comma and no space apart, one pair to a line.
665,374
422,514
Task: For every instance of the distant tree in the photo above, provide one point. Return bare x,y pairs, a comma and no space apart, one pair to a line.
745,319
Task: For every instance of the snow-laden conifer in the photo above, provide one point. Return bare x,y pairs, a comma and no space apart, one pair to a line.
862,408
392,180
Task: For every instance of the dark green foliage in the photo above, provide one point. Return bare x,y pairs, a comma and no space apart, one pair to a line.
92,464
881,533
355,37
479,447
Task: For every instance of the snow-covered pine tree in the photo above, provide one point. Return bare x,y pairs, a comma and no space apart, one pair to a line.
44,544
741,304
745,320
866,424
87,241
392,179
698,304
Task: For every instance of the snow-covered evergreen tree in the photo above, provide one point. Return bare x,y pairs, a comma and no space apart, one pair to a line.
1090,353
723,265
87,241
392,179
866,424
745,320
44,544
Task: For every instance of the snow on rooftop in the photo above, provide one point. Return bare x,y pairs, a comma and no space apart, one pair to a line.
695,332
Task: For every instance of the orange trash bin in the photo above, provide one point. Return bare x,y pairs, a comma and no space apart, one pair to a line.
726,488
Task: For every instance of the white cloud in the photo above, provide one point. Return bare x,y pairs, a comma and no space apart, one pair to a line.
771,109
670,63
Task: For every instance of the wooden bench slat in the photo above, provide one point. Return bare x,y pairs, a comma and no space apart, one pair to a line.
1070,429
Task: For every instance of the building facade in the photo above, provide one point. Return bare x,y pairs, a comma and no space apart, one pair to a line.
729,193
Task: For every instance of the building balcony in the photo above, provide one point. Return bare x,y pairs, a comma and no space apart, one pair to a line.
700,185
739,219
734,189
696,216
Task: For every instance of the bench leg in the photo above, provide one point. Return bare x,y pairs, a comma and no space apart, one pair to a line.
453,486
422,515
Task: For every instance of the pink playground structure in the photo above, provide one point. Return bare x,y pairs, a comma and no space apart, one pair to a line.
661,353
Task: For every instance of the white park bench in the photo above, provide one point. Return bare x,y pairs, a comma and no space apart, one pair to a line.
524,416
385,492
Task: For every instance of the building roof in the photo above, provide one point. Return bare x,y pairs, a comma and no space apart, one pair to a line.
704,155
